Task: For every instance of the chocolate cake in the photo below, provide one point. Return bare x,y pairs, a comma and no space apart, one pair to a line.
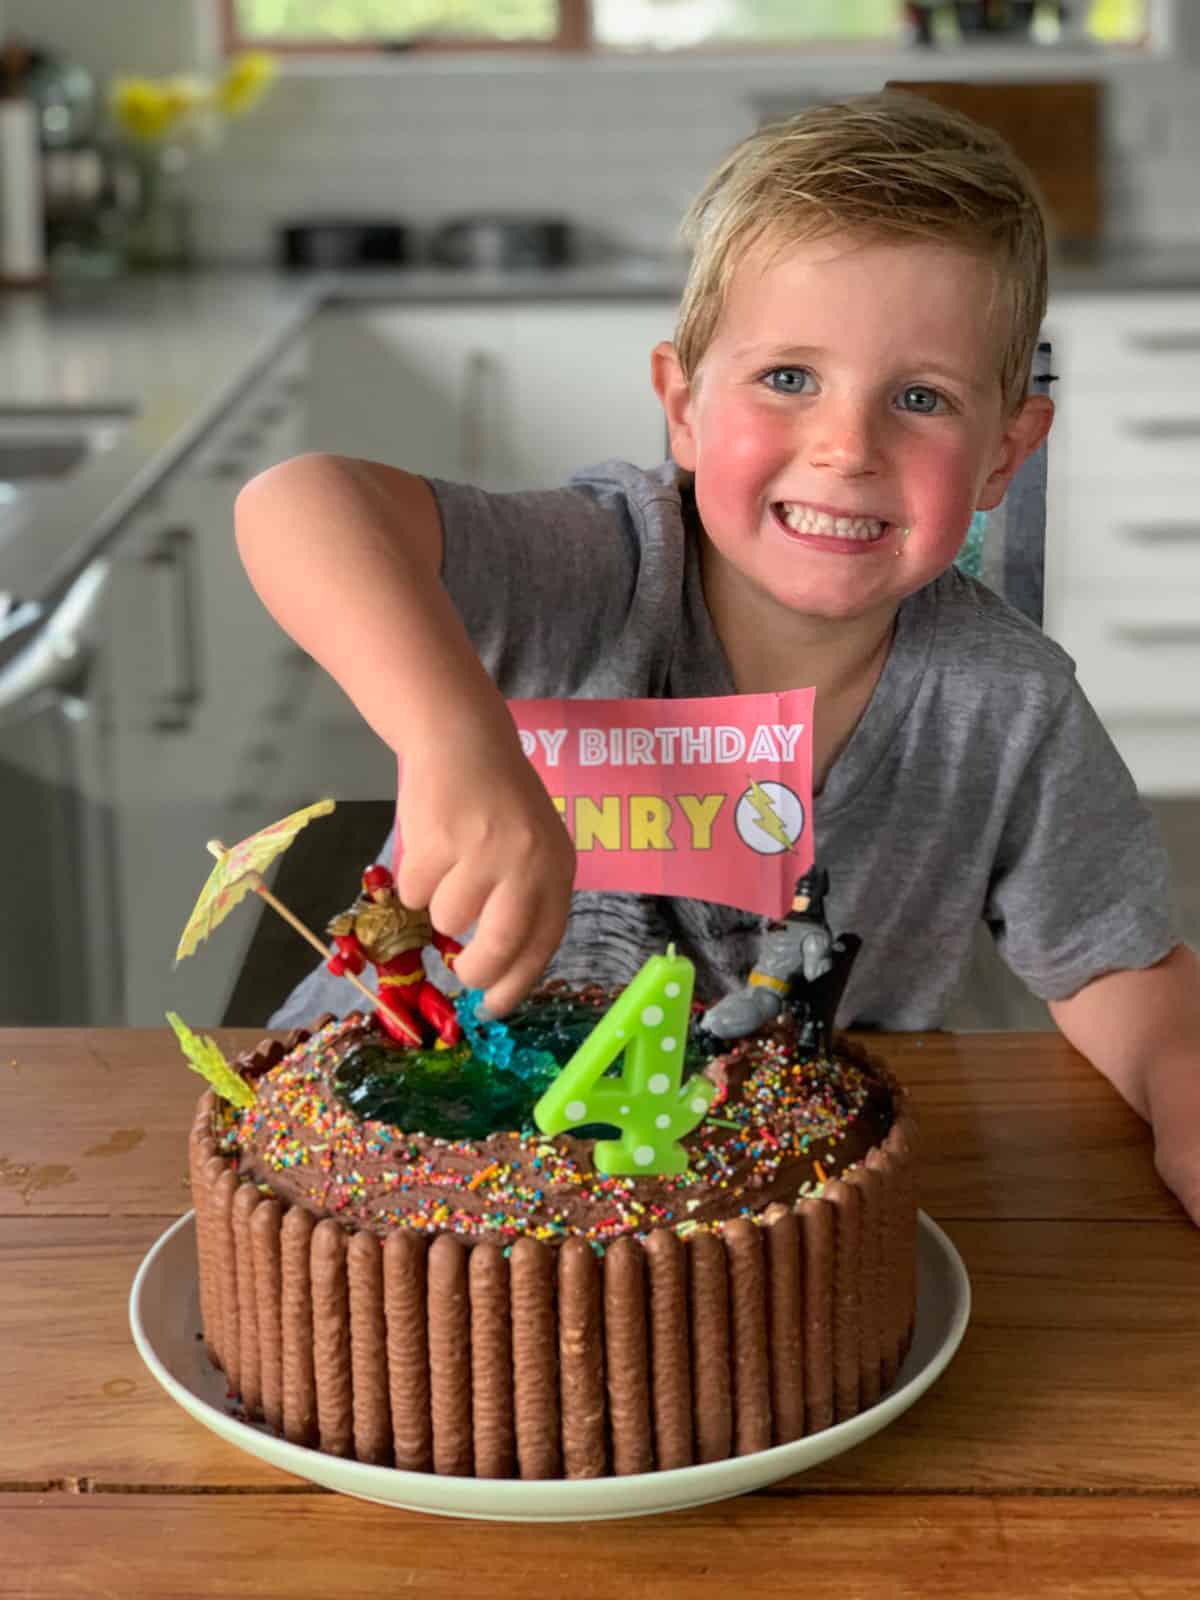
477,1298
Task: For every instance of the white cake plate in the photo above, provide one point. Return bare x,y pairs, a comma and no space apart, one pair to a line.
164,1313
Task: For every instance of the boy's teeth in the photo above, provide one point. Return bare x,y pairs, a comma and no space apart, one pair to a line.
805,520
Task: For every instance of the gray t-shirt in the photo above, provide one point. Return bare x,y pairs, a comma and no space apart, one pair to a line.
979,782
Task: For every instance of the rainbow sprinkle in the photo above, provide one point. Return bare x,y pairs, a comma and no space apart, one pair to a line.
764,1145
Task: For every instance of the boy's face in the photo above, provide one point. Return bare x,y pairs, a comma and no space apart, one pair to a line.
851,391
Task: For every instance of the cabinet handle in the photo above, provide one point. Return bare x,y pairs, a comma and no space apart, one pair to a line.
479,371
228,467
1165,428
1162,532
173,555
1158,633
1166,344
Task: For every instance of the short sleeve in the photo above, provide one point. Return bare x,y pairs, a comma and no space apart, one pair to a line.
1081,884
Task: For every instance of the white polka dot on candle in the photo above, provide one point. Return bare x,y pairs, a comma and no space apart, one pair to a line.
652,1016
671,990
699,1105
659,1083
576,1110
644,1155
668,1043
662,1121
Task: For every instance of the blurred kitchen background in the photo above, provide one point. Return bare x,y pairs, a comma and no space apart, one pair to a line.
443,233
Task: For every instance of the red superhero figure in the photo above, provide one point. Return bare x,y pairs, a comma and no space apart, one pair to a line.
381,929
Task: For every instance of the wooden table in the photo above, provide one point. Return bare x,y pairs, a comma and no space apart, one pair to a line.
1059,1454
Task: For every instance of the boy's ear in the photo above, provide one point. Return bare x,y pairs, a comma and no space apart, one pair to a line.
675,395
1023,432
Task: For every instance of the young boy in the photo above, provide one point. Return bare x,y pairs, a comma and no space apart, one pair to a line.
848,383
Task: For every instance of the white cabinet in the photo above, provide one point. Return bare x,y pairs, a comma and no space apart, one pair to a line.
506,396
209,701
1123,532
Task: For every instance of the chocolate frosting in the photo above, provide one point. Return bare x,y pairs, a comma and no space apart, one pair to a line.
781,1126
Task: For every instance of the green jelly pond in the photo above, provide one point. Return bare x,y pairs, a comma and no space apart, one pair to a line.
489,1083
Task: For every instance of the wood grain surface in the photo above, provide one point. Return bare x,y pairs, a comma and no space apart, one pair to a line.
1058,1455
1057,129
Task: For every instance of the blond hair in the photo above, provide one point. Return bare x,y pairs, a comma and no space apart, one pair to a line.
887,166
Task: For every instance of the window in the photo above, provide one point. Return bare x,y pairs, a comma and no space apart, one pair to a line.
400,24
648,25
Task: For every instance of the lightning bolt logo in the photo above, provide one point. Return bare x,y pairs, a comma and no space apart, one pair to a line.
766,817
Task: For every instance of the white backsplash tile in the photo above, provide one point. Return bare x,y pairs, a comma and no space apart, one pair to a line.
618,146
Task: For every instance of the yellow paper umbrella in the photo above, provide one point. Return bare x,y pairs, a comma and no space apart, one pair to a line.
239,869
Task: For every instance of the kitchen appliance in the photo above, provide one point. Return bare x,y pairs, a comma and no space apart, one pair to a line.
338,244
82,174
56,821
22,225
503,243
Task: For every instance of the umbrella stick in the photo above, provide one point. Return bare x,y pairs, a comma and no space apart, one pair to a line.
217,849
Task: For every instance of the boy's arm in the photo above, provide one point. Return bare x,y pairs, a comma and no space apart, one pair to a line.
1141,1028
346,556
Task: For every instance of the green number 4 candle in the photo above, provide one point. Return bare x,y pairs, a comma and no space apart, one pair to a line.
648,1023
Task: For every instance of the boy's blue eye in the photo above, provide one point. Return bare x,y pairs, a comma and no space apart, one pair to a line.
921,399
788,380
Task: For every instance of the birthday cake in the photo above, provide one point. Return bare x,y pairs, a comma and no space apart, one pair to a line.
399,1263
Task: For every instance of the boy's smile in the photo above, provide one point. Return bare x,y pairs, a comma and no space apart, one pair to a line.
823,523
845,422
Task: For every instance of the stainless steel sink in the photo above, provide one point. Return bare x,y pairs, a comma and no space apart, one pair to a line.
42,445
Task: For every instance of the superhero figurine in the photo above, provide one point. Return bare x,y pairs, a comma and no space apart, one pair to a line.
381,929
800,967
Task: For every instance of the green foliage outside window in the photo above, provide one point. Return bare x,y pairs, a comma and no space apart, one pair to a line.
395,21
615,24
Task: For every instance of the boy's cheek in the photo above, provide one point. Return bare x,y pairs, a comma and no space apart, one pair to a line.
737,446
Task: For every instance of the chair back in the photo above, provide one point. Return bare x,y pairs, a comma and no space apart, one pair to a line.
1006,547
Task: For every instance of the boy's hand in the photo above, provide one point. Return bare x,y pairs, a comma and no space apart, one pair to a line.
484,844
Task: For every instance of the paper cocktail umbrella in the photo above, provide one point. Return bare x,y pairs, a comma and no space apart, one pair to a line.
239,870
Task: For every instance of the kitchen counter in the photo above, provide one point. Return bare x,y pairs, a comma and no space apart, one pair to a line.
1056,1455
168,356
171,354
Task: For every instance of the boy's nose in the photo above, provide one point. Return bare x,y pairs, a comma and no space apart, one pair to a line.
843,441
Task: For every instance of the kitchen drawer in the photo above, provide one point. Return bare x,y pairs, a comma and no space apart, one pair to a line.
1110,435
265,426
1127,532
1136,645
1151,341
513,396
1163,753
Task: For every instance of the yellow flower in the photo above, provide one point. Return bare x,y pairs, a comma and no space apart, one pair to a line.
153,109
185,94
141,107
247,79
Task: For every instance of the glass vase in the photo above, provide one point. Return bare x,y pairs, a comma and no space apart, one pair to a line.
158,234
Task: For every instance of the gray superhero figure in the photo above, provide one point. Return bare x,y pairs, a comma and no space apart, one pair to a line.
801,967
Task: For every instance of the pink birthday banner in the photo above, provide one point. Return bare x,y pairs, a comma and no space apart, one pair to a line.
710,799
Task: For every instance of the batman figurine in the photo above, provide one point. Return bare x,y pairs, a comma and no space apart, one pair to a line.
801,967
